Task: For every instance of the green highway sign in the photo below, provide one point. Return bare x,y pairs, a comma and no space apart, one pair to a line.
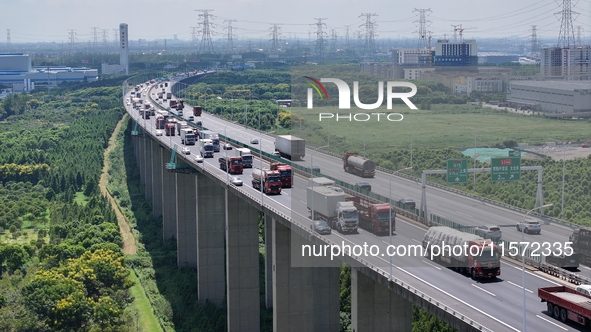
514,153
506,169
457,170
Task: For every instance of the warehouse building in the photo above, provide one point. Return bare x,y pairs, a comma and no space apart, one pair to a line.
554,98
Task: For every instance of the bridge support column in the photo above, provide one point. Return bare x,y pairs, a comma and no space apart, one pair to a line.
134,141
304,298
168,199
157,169
376,308
211,216
268,261
186,220
242,265
142,153
148,168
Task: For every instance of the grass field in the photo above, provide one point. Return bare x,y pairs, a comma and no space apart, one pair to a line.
26,236
441,127
146,320
80,198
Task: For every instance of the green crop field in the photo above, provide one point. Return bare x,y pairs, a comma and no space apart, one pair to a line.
443,126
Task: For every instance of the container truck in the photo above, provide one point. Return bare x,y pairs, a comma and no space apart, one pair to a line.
290,147
269,180
465,252
181,125
168,95
197,110
354,164
206,148
213,136
324,182
246,157
172,103
329,205
180,105
581,244
160,122
374,217
565,303
284,172
169,128
187,136
232,164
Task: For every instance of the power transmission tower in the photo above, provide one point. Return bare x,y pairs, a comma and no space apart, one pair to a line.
72,37
347,35
7,37
429,37
566,38
423,23
95,37
230,43
333,40
320,36
194,35
275,38
579,28
104,31
370,25
206,25
534,41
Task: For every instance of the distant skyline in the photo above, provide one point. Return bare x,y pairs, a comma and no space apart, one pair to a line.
32,21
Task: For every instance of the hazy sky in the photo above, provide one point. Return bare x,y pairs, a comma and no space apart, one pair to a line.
52,20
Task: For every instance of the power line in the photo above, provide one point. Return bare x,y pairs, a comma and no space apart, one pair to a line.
275,38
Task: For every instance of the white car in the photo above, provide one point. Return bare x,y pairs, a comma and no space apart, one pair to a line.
530,226
186,150
254,141
191,118
198,158
159,132
236,180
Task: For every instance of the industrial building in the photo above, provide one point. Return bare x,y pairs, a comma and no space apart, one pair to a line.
566,63
17,73
554,98
451,55
123,66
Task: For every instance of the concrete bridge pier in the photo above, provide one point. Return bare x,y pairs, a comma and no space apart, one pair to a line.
376,308
142,159
148,161
268,261
186,219
157,169
304,298
168,199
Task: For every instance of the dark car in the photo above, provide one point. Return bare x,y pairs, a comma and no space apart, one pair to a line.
408,203
320,227
363,185
315,169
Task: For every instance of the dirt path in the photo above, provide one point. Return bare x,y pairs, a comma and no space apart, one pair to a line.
129,247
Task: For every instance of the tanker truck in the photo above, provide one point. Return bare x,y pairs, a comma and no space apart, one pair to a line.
329,205
269,180
290,147
465,252
354,164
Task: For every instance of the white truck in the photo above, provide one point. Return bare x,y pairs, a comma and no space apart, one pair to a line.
246,157
290,146
321,182
213,136
206,148
187,136
181,125
330,206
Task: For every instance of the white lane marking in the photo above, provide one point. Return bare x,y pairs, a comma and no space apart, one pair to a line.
540,317
437,267
416,240
467,215
585,267
484,290
535,275
516,285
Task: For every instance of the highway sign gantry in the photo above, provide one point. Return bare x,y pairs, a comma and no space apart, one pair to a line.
505,169
457,170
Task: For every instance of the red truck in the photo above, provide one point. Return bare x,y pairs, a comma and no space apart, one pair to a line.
169,129
285,173
374,217
565,303
172,104
160,122
269,180
197,110
235,164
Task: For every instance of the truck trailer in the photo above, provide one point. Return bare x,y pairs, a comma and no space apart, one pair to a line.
267,179
213,136
169,128
565,303
354,164
246,157
232,164
187,136
581,244
465,252
206,148
291,147
374,217
284,172
326,204
181,125
197,110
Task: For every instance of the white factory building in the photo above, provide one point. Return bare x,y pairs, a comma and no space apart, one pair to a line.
123,66
554,98
17,73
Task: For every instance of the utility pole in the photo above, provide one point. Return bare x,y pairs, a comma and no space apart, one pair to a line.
422,23
347,35
369,25
206,25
